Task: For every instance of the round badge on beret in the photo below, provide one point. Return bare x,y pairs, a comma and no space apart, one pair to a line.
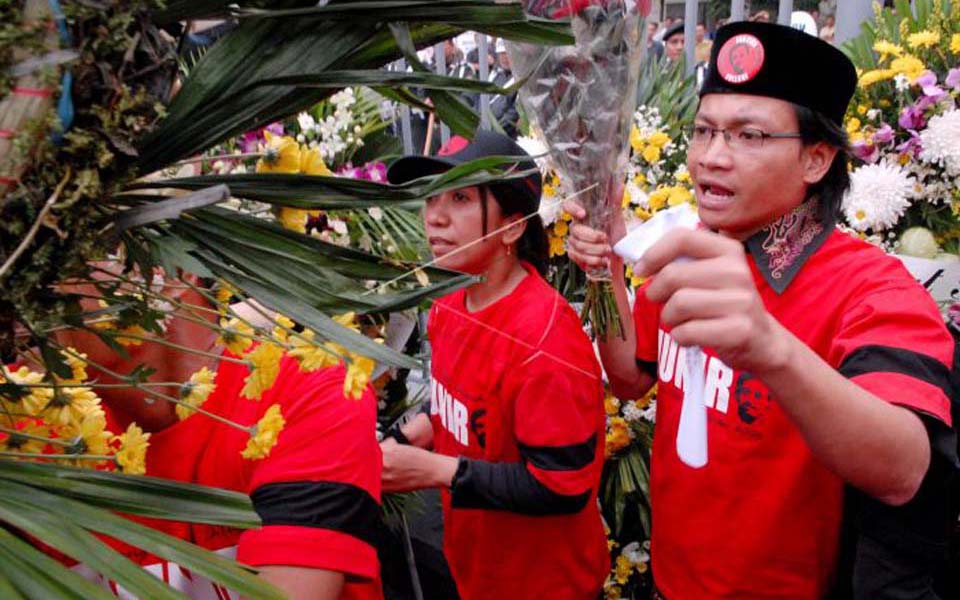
740,58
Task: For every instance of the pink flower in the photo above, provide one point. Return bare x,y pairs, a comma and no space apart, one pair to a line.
866,152
928,82
884,135
250,141
953,78
911,146
912,118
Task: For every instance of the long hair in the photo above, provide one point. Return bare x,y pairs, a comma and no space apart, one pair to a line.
533,245
815,127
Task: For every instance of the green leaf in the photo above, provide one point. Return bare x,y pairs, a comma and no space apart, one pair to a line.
194,558
377,78
29,573
144,496
58,530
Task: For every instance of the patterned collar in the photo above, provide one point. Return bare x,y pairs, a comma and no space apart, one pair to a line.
781,248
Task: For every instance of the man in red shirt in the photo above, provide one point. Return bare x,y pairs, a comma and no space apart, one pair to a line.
826,363
317,491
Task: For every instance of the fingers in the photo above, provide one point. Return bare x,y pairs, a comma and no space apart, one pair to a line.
587,247
705,274
690,304
575,210
686,243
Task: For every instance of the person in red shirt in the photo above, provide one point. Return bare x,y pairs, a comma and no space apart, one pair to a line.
826,363
317,491
516,418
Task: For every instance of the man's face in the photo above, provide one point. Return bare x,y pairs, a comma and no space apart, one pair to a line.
651,30
674,46
740,191
504,59
701,32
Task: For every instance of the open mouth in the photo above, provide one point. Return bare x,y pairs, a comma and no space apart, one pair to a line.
440,246
715,195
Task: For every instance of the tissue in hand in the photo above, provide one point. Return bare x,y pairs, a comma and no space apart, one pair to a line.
633,245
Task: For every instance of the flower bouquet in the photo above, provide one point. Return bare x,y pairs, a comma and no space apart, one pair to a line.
582,98
904,127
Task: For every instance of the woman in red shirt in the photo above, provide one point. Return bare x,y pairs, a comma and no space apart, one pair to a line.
516,417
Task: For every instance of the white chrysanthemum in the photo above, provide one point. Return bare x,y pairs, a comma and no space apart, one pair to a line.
941,142
632,413
650,413
879,194
550,209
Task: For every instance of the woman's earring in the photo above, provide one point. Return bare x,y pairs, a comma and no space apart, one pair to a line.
509,249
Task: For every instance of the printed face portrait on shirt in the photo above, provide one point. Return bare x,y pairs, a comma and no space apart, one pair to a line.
751,397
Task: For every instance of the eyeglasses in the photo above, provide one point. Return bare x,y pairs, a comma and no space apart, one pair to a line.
746,138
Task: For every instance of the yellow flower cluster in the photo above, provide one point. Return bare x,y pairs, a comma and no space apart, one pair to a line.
313,355
557,235
923,39
132,454
665,196
649,147
282,154
195,392
618,436
264,435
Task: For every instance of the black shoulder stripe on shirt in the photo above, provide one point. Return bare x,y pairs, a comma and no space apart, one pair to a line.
648,366
509,486
887,359
561,458
322,504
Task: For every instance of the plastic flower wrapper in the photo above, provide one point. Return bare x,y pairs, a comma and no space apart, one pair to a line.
582,98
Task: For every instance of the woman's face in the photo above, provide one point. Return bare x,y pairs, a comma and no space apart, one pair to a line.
454,226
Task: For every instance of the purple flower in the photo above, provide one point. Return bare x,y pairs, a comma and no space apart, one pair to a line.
953,78
377,171
250,141
866,152
911,146
912,117
928,82
275,128
884,135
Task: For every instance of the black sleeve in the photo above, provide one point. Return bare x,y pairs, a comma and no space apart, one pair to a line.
509,486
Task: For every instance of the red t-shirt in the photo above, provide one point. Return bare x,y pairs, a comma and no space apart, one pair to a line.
762,518
318,491
519,382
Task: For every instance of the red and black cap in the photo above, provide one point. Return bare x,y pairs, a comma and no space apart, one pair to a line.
524,194
764,59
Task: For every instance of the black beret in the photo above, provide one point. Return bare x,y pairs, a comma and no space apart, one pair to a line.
674,30
764,59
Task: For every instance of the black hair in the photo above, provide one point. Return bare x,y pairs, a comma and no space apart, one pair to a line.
815,127
533,245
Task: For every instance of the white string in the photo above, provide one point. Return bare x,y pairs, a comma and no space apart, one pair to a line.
479,240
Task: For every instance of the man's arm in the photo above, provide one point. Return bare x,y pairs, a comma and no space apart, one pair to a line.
591,248
712,301
301,583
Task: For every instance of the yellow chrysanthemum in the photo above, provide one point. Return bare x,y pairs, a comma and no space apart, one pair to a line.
626,199
618,435
565,216
955,43
283,325
264,435
70,405
612,592
561,228
13,442
862,109
635,281
658,139
280,155
871,77
679,195
294,219
642,213
225,292
853,125
266,366
235,335
311,163
358,376
92,433
549,191
658,199
131,457
886,49
636,142
558,247
923,39
195,392
611,405
908,65
348,320
137,332
313,356
651,154
623,569
78,366
683,177
30,400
